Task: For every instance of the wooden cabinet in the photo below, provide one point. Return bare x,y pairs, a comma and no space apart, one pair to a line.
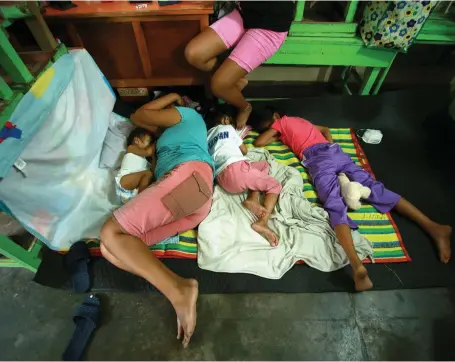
135,46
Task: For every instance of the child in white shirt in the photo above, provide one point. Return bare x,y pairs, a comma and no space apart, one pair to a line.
235,173
136,173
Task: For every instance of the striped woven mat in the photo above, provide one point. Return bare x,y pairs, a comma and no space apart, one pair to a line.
379,228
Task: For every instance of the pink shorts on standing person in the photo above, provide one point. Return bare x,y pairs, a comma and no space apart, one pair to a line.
149,219
252,46
298,134
245,175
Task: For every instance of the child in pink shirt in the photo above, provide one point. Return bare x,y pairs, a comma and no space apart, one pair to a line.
324,160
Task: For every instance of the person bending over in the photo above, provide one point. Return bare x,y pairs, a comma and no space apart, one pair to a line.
255,30
135,173
178,201
235,173
324,161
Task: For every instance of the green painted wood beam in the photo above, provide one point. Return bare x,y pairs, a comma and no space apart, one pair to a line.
350,11
19,255
5,91
303,28
299,10
11,62
9,108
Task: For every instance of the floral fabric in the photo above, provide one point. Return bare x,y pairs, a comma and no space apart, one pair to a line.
394,24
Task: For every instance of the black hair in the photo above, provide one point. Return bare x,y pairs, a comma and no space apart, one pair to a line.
138,132
262,118
216,112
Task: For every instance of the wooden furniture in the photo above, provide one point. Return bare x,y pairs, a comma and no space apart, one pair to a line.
331,43
135,45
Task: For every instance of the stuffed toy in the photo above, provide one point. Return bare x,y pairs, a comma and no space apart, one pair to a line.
352,192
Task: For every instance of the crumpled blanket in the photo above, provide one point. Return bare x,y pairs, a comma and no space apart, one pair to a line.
227,243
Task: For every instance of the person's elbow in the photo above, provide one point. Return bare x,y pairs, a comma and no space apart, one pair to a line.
259,142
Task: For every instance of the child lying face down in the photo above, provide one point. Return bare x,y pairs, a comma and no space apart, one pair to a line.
136,173
324,161
235,173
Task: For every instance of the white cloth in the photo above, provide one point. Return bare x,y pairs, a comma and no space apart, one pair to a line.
224,147
114,145
227,243
131,163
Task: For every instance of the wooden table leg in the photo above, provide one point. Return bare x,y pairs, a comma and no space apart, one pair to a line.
369,78
19,256
382,77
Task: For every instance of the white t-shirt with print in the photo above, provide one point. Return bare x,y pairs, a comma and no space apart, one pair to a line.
224,147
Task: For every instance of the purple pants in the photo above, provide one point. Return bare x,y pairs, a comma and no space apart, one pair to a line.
324,162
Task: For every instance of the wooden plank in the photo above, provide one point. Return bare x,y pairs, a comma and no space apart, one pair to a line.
318,53
5,91
74,35
142,48
11,62
155,82
18,254
39,28
124,8
204,21
130,19
303,28
299,10
350,11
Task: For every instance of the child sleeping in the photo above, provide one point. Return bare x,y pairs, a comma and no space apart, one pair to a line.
136,172
324,160
235,173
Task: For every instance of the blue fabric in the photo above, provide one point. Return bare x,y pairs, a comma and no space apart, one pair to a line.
186,141
34,108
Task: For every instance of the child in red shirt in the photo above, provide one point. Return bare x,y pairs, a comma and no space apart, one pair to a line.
324,160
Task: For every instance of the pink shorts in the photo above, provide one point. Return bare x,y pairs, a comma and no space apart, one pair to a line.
156,214
253,46
243,175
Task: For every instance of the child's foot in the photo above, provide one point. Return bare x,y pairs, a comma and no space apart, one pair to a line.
242,116
255,207
242,83
262,228
185,308
441,235
361,279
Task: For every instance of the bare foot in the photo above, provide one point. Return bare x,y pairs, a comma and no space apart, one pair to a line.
255,207
262,228
242,116
441,235
242,83
185,308
361,279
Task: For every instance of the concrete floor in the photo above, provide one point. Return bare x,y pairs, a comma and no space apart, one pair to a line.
36,324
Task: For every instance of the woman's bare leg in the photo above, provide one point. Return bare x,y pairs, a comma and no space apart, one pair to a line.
202,51
262,225
252,203
137,259
441,234
224,85
361,279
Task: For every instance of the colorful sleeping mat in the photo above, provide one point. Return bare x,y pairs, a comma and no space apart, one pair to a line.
379,228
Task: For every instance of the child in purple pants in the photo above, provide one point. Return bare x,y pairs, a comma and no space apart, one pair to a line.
324,161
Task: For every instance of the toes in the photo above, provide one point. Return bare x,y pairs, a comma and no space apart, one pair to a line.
179,329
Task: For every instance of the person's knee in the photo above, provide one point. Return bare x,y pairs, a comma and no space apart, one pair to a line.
192,55
107,233
219,84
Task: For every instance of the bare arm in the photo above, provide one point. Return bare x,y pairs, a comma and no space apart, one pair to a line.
243,149
325,132
143,152
154,119
163,102
269,136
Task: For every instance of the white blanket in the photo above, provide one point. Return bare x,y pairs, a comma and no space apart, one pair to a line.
228,244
